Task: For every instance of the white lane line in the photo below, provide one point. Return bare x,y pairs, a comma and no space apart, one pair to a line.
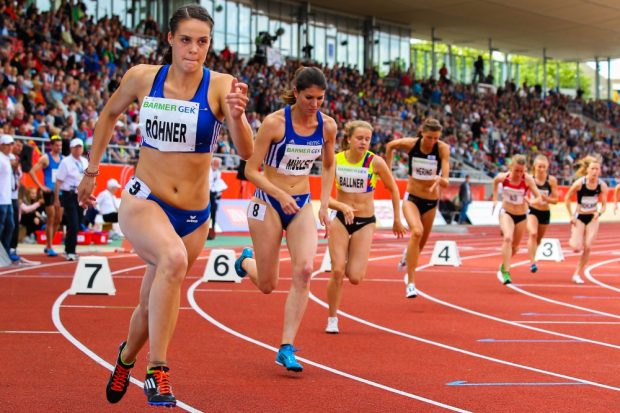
216,290
568,322
199,310
562,303
555,285
54,264
111,307
27,332
512,323
588,273
457,349
61,328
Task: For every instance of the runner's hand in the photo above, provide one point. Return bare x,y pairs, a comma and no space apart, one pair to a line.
237,99
324,219
288,204
399,229
85,191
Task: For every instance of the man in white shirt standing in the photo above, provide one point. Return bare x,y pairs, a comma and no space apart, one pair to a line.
107,204
217,186
16,173
6,206
68,177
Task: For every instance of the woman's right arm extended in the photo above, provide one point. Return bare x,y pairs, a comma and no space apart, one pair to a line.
403,144
128,91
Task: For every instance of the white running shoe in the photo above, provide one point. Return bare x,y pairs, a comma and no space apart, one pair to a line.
72,257
402,264
577,279
410,292
332,325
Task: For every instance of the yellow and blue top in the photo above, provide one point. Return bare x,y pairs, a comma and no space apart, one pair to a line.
356,178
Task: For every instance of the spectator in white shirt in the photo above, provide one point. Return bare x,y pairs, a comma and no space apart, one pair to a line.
16,173
6,206
107,204
217,186
68,177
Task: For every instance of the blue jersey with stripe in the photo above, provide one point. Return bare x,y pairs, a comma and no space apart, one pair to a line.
174,125
49,172
295,154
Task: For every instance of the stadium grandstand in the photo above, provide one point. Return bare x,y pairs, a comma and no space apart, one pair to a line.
61,65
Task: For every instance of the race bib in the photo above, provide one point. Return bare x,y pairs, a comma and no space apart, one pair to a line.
423,169
298,159
137,188
352,178
514,196
169,124
54,171
589,203
257,211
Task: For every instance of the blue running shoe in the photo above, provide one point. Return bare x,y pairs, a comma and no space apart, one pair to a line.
14,257
51,253
533,268
246,253
286,358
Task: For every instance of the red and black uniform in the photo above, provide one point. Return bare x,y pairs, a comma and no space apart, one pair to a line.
514,194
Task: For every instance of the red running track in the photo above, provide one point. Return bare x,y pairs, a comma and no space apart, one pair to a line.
467,343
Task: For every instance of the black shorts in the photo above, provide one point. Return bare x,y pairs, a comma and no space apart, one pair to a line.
585,218
544,217
358,222
424,205
48,198
515,218
111,217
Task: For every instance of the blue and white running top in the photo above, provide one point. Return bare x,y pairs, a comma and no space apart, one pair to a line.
49,173
173,125
295,154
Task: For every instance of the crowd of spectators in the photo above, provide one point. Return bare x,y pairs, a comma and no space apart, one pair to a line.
60,67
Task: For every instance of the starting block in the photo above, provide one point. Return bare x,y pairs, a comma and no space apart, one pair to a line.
549,249
92,276
326,265
221,266
446,253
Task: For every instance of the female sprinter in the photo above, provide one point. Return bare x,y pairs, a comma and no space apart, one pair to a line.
165,207
287,143
513,215
584,224
616,193
429,168
350,235
539,214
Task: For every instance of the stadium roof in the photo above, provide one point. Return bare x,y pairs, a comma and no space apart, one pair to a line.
568,29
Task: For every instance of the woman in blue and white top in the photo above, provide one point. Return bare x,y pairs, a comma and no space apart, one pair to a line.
429,169
584,223
164,209
287,143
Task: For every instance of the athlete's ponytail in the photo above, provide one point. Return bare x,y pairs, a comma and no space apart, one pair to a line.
584,163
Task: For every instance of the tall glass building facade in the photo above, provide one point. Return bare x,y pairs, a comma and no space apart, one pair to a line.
335,37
